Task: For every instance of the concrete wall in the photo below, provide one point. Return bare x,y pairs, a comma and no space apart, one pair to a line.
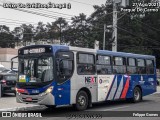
5,57
7,64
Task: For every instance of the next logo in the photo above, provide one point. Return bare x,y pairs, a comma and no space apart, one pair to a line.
92,79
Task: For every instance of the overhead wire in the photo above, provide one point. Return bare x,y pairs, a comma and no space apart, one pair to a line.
16,21
56,12
145,24
36,13
81,2
48,12
146,38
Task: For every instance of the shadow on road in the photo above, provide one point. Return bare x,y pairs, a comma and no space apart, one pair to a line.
64,111
9,95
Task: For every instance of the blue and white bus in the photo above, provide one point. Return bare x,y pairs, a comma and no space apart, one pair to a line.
56,75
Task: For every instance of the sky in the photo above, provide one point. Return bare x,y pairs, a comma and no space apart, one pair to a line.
12,18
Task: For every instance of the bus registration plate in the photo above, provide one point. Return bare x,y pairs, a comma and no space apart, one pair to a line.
28,99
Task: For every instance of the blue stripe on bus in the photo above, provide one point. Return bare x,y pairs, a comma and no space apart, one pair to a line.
62,94
119,79
37,90
111,87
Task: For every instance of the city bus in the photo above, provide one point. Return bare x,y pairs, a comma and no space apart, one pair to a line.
57,75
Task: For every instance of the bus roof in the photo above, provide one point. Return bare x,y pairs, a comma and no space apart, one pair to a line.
107,52
123,54
103,52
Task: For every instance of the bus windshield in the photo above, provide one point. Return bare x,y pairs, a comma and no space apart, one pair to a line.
35,68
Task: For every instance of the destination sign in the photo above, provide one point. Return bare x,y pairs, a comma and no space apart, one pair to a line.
34,50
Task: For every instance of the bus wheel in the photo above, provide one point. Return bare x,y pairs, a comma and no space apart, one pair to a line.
81,100
137,95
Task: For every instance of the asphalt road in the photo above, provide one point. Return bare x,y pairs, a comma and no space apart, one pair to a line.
149,103
114,109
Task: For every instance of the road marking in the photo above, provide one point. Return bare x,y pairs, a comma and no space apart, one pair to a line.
115,108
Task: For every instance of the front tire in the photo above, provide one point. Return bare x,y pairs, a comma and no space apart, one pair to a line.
137,95
81,101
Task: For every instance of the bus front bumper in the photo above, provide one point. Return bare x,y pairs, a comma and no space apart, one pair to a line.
47,99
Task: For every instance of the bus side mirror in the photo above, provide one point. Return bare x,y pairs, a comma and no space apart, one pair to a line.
11,65
12,62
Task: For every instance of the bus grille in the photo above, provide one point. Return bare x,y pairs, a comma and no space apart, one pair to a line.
33,100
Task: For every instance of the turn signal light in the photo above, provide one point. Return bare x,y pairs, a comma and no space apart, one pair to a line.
3,81
21,90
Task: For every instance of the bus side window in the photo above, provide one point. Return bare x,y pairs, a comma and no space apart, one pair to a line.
85,64
64,65
131,65
103,64
141,67
150,66
119,65
67,67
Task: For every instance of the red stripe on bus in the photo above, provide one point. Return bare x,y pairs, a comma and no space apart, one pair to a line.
125,90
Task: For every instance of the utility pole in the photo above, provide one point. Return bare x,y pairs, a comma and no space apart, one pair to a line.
114,34
104,37
107,28
60,34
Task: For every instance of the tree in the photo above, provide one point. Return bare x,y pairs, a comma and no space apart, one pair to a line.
40,31
60,25
102,15
28,32
4,29
6,38
18,35
52,31
80,29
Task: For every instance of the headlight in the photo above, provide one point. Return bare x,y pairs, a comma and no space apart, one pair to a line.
49,90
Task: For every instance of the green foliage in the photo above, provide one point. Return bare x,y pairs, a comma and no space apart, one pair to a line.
6,38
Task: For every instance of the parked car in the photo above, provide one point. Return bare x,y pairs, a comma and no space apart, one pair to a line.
8,82
1,65
2,68
9,71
